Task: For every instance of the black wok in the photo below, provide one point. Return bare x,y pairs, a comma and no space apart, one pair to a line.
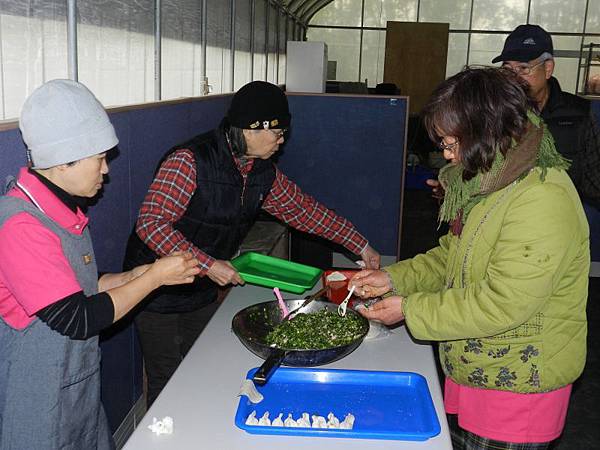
252,324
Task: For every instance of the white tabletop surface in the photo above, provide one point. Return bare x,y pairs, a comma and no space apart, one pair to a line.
202,395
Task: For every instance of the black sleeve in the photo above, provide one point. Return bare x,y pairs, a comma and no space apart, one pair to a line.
590,163
78,316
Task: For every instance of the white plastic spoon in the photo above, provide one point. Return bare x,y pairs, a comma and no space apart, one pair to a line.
342,307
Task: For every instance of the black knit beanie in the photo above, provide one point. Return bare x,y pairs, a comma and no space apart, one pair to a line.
259,105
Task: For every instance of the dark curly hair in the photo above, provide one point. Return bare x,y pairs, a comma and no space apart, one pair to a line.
485,108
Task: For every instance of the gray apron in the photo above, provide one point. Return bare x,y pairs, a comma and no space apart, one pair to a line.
49,383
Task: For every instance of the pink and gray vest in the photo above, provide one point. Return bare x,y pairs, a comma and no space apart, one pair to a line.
49,383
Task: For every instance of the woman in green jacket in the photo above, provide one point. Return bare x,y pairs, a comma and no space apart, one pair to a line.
505,291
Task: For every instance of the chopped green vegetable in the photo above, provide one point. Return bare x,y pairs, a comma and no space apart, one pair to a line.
316,331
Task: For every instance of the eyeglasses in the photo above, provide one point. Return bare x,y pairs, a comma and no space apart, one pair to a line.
523,69
443,146
279,134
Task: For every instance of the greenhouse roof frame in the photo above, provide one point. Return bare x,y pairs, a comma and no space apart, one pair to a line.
303,9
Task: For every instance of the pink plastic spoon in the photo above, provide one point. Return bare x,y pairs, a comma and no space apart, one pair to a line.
282,304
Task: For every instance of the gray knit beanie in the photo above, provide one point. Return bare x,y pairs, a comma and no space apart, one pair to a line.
62,122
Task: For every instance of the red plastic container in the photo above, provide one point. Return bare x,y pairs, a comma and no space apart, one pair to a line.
338,289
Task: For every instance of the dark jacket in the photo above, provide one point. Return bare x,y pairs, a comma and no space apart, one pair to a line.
218,217
575,130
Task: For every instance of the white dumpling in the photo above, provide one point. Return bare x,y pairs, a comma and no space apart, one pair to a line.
348,422
264,420
332,421
319,422
304,421
290,422
252,420
277,421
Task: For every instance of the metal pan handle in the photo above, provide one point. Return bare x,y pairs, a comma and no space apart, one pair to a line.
265,371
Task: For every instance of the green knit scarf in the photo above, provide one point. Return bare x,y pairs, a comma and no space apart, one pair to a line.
535,149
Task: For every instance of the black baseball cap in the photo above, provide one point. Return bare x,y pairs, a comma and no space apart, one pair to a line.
525,43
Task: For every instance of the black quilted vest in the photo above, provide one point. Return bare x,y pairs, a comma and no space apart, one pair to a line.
218,218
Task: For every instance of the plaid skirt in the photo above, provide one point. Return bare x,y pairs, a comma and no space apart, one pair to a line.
465,440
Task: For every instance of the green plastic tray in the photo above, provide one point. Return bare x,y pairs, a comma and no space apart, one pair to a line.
263,270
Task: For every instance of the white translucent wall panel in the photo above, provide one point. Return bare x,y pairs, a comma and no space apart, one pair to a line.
243,16
457,53
593,19
565,69
33,40
339,12
291,30
282,48
373,57
499,15
259,40
485,47
343,46
558,15
218,67
454,12
378,12
272,46
115,49
181,64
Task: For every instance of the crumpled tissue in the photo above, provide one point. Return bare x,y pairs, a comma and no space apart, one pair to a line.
164,426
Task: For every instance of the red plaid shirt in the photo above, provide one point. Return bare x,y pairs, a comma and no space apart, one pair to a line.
175,183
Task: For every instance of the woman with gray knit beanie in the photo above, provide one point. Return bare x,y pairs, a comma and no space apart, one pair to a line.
52,304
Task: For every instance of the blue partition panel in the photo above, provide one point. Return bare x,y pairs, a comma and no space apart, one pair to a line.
348,152
144,136
593,214
12,155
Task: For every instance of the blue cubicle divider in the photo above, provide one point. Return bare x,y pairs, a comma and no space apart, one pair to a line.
346,151
593,214
144,136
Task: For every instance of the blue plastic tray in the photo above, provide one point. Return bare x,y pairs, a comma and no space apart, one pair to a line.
386,405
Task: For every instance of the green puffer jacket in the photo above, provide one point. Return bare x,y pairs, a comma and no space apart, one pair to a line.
507,298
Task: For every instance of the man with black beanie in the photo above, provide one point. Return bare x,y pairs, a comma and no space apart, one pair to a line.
204,198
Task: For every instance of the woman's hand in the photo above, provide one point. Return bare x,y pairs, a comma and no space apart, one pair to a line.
388,310
223,273
138,271
177,268
371,258
370,283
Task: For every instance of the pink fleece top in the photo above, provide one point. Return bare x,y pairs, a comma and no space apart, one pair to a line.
34,271
507,416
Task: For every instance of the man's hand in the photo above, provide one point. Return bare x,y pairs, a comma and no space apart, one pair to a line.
437,191
370,283
223,273
387,311
371,258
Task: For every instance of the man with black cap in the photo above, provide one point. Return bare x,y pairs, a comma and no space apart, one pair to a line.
204,198
528,50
